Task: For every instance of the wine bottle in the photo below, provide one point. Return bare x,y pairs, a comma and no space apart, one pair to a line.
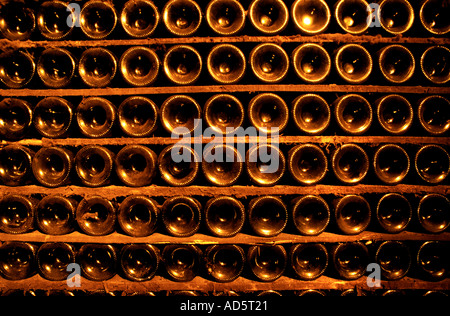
225,17
17,214
17,260
181,216
352,214
139,66
434,213
395,114
136,165
353,114
182,64
96,216
224,113
434,114
312,293
52,20
224,216
182,172
350,164
353,16
17,68
267,262
396,16
98,19
311,62
432,163
269,17
391,164
311,114
222,165
394,213
139,262
94,165
98,262
55,215
309,261
180,115
265,164
138,216
267,216
56,67
311,17
97,67
15,118
269,113
394,259
52,166
435,65
397,63
269,62
139,18
350,260
433,260
354,63
224,263
310,215
182,262
17,21
434,17
307,164
96,117
53,260
52,117
15,165
182,17
138,116
226,64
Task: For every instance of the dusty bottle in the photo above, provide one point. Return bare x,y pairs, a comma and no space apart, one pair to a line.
269,113
394,259
311,62
391,163
435,17
396,16
15,118
225,17
353,114
432,163
269,17
224,216
182,17
309,261
136,165
395,114
55,215
224,263
15,165
182,262
311,17
310,215
182,64
433,260
139,18
98,262
350,260
265,164
350,164
434,213
96,216
434,114
307,164
17,214
353,63
222,165
181,216
139,262
269,62
17,21
394,213
224,113
17,260
226,64
17,68
353,16
181,171
138,116
96,117
52,166
97,67
55,20
138,216
397,63
180,115
139,66
267,216
52,117
94,165
267,262
353,214
311,114
98,19
435,65
56,67
53,259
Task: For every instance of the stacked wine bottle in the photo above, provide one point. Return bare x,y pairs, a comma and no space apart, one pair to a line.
223,147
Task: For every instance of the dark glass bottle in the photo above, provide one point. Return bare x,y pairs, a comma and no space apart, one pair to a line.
139,18
307,164
353,16
56,67
222,165
138,216
182,262
312,63
139,262
53,259
183,64
15,165
394,259
354,63
224,216
311,114
17,68
96,216
269,62
52,166
94,165
97,67
180,172
353,114
397,63
432,163
395,114
136,165
98,262
96,117
55,215
391,163
434,213
180,115
433,260
17,214
224,113
138,116
181,216
309,261
350,260
310,215
52,117
269,17
224,263
350,164
268,113
435,17
353,214
434,114
267,262
434,64
139,66
396,16
53,20
311,17
17,21
265,164
182,17
267,216
17,260
394,213
226,64
98,19
15,118
225,17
